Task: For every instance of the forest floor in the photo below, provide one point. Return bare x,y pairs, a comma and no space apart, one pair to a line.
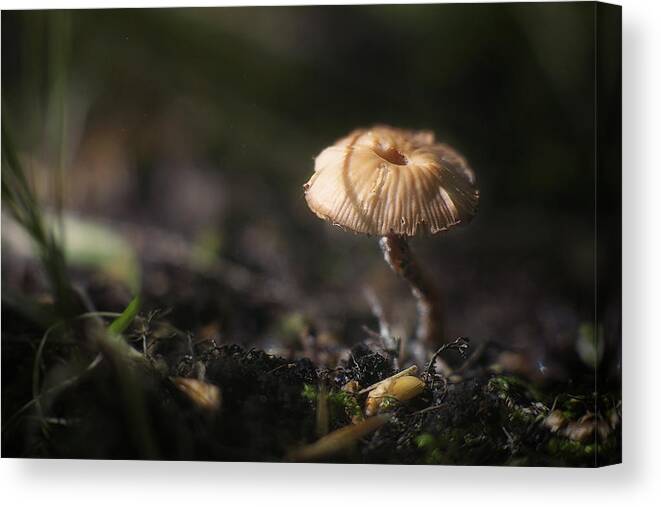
183,396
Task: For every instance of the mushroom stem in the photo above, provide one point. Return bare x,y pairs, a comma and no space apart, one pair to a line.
397,254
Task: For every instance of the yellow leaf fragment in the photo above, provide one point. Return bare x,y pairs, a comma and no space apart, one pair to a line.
338,440
205,396
400,389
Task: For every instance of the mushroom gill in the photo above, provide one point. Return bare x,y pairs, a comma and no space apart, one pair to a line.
384,180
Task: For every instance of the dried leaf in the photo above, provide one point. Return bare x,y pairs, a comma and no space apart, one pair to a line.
205,396
401,389
338,440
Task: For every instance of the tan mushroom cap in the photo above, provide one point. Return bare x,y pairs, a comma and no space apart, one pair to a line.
384,180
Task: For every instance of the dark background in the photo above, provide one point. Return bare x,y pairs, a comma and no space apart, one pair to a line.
204,123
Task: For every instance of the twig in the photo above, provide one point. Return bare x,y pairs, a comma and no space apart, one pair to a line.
555,402
377,310
62,385
460,345
372,333
429,409
474,357
287,365
36,398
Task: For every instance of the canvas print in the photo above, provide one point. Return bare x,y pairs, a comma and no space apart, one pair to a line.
378,234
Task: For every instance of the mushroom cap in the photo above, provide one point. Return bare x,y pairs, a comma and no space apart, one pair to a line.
385,180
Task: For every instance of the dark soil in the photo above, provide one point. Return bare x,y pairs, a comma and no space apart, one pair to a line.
481,416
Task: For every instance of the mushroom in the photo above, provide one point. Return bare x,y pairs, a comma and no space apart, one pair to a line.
396,183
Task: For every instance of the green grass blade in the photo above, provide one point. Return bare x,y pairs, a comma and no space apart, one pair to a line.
121,323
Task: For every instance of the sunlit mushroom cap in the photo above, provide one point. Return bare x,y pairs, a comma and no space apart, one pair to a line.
385,180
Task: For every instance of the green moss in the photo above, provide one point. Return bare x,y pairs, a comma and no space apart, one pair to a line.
512,389
500,386
447,447
522,416
565,448
425,441
435,457
572,407
388,403
518,461
342,406
309,392
473,440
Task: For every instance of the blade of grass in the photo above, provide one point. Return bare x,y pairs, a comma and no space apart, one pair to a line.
131,388
113,347
19,197
36,369
123,321
60,48
61,386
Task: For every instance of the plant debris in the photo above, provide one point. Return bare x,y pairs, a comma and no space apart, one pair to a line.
277,409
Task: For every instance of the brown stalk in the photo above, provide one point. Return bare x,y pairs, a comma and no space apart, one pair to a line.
397,254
